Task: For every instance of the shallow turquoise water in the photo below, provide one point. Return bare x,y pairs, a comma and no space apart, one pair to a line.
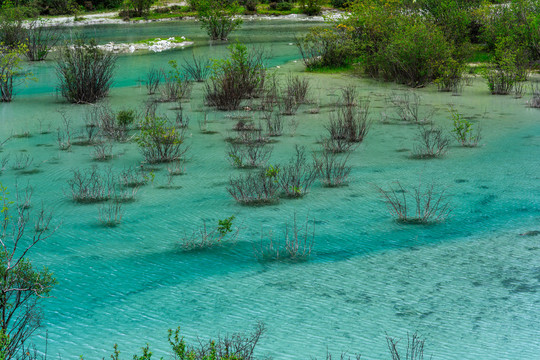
471,285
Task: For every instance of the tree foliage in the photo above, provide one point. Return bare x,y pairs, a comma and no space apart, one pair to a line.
22,285
11,70
218,17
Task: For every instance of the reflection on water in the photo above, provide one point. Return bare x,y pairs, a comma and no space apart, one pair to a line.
470,285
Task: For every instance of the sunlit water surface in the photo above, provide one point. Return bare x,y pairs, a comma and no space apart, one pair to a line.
471,285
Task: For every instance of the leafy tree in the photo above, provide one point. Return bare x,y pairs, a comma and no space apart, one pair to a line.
519,20
11,70
140,7
218,17
22,285
12,32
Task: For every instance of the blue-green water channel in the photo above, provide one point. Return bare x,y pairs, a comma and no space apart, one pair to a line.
470,285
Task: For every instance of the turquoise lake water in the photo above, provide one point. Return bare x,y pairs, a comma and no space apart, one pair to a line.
470,285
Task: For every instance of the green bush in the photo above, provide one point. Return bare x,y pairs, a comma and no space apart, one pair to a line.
12,32
218,17
327,47
507,67
125,117
518,20
399,45
240,76
415,55
250,5
283,6
311,7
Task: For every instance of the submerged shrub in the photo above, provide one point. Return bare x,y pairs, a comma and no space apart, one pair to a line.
249,155
350,123
432,142
40,38
238,77
91,185
296,177
175,85
464,131
110,215
295,245
507,68
256,188
332,168
534,102
428,205
159,141
407,107
205,238
85,72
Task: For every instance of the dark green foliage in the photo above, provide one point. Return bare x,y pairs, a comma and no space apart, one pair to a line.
12,32
327,47
311,7
140,7
85,72
507,68
519,20
126,117
415,55
397,44
250,5
340,4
